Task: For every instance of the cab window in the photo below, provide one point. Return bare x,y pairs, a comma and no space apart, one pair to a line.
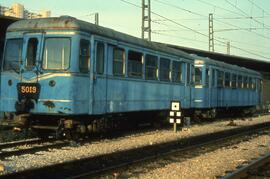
56,55
13,54
198,75
31,53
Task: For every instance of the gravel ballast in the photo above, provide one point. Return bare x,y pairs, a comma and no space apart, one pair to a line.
53,156
213,164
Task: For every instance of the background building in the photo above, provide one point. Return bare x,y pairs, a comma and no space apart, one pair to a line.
18,11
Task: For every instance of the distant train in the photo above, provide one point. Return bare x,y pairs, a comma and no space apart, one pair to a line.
68,75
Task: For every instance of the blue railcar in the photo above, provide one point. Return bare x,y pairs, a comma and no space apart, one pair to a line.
67,69
221,86
69,72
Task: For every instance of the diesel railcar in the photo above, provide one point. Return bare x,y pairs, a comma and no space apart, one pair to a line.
65,74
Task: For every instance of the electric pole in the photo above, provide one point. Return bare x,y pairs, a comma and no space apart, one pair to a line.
96,19
146,19
211,33
228,48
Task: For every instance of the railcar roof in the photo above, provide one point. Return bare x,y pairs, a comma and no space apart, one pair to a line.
71,23
226,65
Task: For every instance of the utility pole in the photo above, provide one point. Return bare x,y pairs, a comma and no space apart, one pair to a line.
228,48
146,19
211,33
96,18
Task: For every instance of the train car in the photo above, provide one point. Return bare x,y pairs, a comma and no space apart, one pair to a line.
68,76
62,74
221,87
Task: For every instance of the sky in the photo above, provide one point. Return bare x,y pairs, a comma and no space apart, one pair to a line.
245,24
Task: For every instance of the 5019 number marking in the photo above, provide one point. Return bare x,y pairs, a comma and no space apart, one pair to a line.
28,89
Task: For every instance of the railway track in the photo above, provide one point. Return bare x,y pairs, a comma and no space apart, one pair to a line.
94,166
29,146
255,169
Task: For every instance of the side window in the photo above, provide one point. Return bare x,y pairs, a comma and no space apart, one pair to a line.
164,69
213,74
245,82
100,57
253,83
240,81
31,53
227,80
188,73
151,67
250,83
84,56
220,78
118,61
135,61
192,70
177,71
234,80
207,77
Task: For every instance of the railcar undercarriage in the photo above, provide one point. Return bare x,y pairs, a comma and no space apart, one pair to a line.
73,127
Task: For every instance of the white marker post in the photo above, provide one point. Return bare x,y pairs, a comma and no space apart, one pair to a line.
175,114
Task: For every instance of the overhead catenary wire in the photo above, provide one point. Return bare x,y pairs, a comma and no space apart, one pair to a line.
264,11
245,14
217,19
195,31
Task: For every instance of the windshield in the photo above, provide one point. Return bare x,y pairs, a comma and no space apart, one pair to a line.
56,53
13,54
198,75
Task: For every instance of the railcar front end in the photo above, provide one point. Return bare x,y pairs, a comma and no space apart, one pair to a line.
43,84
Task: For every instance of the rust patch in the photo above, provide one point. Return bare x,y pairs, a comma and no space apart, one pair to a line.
49,104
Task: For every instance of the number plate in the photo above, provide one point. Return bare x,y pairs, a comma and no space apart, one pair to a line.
28,90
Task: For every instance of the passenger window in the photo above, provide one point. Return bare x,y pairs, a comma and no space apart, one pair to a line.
207,77
100,58
164,69
220,78
118,61
135,61
31,53
192,70
253,83
198,75
240,81
250,83
188,73
227,80
84,56
151,67
234,80
213,74
245,82
176,71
